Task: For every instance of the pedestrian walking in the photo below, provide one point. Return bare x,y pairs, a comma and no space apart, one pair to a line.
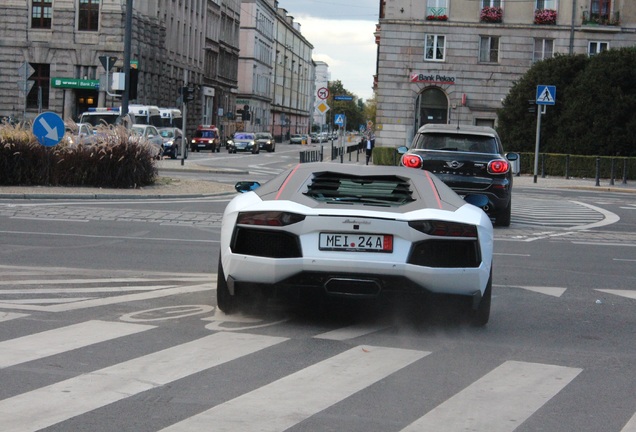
369,136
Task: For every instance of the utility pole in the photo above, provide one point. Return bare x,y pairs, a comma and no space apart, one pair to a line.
127,43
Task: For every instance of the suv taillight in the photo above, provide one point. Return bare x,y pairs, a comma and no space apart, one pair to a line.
498,166
412,161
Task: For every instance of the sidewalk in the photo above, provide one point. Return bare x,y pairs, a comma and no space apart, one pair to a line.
169,184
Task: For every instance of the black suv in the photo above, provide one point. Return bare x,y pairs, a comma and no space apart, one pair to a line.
469,159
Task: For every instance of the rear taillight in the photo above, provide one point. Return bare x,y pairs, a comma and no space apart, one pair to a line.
444,229
270,218
498,166
412,161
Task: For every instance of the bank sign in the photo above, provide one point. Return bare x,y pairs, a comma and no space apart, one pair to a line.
75,83
431,79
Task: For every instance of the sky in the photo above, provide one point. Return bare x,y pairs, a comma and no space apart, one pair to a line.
342,36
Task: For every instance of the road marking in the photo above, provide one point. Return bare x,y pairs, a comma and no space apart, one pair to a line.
551,291
631,425
290,400
100,280
8,316
51,342
350,332
500,401
621,293
55,403
112,300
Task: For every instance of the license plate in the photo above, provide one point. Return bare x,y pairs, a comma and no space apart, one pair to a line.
349,242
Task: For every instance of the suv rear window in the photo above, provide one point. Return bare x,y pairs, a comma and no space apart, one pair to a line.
456,142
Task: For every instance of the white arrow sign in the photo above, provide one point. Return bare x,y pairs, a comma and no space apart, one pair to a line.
51,132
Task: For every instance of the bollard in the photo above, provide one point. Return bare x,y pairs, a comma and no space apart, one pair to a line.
625,171
543,166
598,171
567,167
612,173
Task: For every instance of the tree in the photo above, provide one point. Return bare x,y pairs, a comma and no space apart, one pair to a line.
594,110
353,112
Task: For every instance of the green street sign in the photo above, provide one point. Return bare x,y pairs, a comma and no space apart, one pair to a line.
75,83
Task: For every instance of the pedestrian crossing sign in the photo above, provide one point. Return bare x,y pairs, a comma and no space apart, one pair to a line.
546,95
340,119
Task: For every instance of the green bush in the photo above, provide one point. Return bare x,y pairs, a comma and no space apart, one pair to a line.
113,160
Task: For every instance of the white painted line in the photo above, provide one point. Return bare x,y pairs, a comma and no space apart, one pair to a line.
631,425
290,400
100,280
49,405
349,332
500,401
84,290
47,219
511,254
113,300
8,316
631,294
42,301
50,342
608,217
551,291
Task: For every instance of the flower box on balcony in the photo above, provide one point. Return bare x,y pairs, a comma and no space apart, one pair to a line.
491,15
436,18
545,16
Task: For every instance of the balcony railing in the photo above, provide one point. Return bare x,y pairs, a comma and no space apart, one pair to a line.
545,16
609,19
436,14
491,15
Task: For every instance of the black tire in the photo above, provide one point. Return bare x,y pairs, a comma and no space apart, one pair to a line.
503,217
224,300
480,316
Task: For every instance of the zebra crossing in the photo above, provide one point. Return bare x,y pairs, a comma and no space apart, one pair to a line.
558,214
500,400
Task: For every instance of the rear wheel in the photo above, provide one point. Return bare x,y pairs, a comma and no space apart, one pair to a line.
224,300
480,316
503,217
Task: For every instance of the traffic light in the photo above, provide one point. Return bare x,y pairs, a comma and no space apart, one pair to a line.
187,93
245,113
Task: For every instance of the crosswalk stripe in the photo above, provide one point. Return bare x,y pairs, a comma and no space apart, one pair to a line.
98,280
8,316
49,405
290,400
350,332
500,401
47,343
631,425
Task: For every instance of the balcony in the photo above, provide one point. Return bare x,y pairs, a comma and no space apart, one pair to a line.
545,16
607,19
436,14
491,15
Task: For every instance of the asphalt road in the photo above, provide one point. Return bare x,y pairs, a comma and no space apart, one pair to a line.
107,323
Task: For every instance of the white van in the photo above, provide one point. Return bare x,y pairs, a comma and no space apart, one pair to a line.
146,114
171,117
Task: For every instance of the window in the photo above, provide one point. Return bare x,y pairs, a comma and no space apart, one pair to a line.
601,7
88,16
597,47
434,47
489,49
543,49
41,13
546,4
38,97
436,9
491,3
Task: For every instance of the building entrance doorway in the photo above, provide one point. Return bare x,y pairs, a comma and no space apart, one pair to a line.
432,107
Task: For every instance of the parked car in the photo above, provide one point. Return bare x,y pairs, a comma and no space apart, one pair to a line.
355,231
206,137
265,141
243,142
172,140
149,134
469,159
81,133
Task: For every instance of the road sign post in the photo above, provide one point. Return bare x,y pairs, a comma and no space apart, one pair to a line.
546,95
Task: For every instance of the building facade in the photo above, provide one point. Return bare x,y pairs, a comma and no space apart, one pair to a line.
454,61
53,55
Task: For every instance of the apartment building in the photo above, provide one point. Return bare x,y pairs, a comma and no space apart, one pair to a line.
454,61
52,55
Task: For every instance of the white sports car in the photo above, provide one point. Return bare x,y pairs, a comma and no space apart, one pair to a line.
355,231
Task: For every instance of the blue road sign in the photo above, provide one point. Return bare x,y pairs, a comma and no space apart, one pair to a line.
48,128
339,119
546,95
343,98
